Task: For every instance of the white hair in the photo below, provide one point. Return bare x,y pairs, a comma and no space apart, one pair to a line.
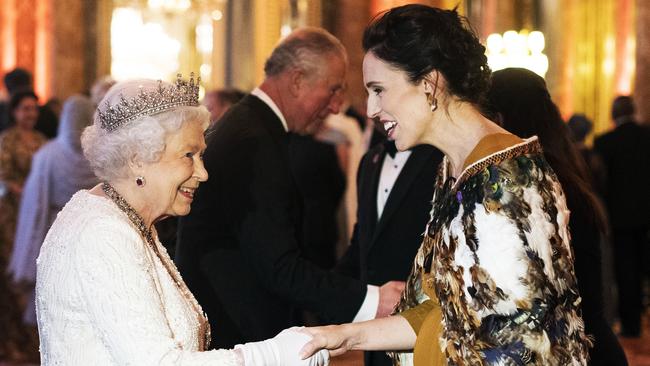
141,140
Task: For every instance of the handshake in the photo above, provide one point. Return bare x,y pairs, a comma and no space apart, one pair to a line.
281,350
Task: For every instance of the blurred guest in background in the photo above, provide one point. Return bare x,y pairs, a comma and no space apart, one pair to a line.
15,80
522,105
626,153
59,169
100,88
580,126
18,143
20,80
219,101
54,104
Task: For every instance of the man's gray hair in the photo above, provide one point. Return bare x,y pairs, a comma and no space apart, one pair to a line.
304,49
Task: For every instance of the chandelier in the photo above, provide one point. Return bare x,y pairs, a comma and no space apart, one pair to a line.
174,6
517,49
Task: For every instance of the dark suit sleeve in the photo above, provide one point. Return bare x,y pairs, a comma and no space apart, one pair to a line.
350,262
599,146
268,242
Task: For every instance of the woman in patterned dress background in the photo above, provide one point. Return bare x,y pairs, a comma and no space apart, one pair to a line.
18,143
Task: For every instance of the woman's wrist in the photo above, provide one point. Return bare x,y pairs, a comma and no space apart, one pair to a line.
353,335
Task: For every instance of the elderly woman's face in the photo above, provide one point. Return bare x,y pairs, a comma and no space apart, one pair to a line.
173,180
400,106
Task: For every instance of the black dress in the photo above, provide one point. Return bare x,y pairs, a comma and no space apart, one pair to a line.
585,239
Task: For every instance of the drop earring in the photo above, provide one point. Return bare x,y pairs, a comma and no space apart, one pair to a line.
433,102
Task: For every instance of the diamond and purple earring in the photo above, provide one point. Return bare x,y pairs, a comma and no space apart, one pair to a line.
140,181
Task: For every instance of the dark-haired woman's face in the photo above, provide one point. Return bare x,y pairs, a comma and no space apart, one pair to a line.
26,113
399,105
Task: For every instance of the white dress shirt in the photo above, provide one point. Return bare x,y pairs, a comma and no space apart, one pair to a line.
389,172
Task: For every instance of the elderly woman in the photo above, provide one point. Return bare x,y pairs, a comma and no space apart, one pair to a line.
493,282
59,169
107,293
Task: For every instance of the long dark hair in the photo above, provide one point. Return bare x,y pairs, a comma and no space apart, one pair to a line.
519,100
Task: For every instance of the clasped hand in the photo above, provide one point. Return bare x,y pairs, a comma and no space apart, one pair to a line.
282,350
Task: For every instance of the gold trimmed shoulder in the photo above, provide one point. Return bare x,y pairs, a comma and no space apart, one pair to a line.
528,146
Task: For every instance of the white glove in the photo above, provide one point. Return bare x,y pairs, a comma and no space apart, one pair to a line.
282,350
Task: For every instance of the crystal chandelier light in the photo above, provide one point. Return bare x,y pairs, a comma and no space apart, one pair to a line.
512,49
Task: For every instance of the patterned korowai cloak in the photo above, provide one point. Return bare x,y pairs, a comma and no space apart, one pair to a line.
497,255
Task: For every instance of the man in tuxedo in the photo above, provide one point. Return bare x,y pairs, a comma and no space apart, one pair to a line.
626,154
394,192
240,249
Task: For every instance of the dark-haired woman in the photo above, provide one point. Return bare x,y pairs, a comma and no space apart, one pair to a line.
493,282
522,105
18,143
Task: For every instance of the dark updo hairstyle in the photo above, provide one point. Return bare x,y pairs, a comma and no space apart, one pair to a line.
419,39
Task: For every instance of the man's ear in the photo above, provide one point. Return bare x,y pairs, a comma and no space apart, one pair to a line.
296,82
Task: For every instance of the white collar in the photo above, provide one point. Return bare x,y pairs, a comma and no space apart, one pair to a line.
274,107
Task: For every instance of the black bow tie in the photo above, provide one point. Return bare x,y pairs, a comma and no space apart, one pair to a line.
389,146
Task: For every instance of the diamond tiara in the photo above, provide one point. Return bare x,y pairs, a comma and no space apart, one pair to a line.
149,102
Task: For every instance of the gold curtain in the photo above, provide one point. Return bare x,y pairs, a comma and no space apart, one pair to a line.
49,38
314,13
270,17
594,57
642,68
268,20
377,6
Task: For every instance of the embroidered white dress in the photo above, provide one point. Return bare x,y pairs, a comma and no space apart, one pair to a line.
103,297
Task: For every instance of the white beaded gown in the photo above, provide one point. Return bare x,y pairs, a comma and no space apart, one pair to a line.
103,296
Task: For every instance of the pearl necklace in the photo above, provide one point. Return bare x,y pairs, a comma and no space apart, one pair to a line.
147,234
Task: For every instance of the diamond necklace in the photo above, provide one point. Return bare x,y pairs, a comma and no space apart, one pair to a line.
147,234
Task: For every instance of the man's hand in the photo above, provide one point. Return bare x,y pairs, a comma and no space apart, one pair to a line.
389,294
